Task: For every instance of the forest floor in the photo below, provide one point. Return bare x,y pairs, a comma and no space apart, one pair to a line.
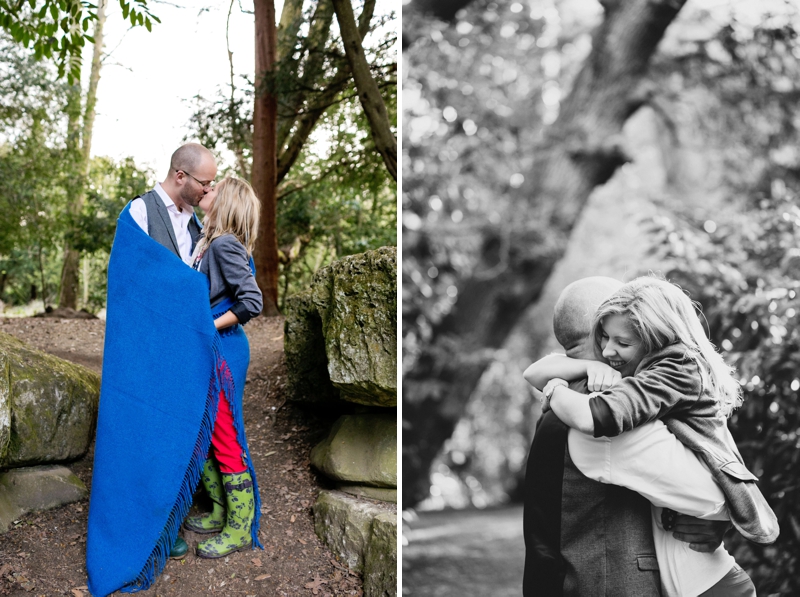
464,553
44,553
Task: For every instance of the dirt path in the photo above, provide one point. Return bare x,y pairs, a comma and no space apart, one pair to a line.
476,553
44,554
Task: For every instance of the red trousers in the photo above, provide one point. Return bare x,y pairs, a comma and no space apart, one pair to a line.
226,448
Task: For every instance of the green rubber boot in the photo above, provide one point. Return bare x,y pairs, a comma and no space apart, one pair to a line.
241,505
215,521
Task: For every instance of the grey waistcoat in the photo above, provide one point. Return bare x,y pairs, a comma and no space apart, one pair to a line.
159,225
606,539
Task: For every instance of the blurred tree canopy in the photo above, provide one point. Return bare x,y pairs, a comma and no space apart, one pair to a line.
510,127
737,81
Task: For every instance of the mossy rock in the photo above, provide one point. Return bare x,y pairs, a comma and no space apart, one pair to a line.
304,347
360,448
48,406
380,559
356,298
27,489
362,534
340,336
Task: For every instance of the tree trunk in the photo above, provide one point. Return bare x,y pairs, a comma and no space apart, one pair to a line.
265,163
368,92
579,151
68,293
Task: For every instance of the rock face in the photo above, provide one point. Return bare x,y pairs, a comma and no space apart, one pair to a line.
362,534
360,449
23,490
340,340
48,407
350,312
304,347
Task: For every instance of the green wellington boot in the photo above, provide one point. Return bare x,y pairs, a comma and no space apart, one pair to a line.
179,550
215,521
241,505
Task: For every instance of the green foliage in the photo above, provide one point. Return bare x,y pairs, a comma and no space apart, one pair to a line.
37,178
337,199
59,29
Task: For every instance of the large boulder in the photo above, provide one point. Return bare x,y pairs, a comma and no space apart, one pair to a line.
351,312
304,347
360,449
26,489
363,535
48,406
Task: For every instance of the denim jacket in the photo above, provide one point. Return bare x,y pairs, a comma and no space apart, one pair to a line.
668,385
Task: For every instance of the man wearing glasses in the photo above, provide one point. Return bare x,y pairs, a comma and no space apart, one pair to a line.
167,212
167,215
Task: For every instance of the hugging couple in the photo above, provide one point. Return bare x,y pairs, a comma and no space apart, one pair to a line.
629,490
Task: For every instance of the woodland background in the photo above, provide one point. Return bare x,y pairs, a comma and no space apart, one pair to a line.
319,156
548,140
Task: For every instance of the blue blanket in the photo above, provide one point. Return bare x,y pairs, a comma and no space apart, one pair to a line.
164,366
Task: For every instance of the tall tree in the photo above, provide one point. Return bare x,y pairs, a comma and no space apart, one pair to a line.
368,91
79,145
297,79
577,152
264,172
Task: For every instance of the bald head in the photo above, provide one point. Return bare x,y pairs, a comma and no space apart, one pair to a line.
192,170
575,309
190,157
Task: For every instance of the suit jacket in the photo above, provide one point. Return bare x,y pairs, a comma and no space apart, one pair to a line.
159,225
582,538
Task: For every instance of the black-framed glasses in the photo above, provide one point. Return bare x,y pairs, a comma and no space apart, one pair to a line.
209,184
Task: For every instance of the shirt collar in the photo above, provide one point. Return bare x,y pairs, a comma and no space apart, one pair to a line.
170,204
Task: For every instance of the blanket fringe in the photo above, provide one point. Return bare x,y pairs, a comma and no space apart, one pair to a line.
155,563
238,422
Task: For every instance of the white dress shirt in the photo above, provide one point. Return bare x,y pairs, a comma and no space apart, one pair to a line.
179,219
654,463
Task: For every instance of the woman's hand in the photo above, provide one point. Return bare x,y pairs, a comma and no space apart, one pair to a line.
225,320
601,376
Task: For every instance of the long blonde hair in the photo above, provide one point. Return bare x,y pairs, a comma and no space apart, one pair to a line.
236,211
660,314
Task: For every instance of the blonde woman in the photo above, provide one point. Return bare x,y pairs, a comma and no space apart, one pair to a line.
224,255
659,364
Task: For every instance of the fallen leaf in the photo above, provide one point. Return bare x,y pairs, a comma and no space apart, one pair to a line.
77,592
293,518
303,542
263,577
338,565
256,562
315,584
270,453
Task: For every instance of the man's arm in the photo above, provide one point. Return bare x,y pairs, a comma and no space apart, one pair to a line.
654,463
573,408
138,212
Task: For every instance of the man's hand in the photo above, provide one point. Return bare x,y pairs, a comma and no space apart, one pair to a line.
600,376
704,536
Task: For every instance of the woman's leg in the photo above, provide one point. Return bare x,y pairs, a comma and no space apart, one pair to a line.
215,520
734,584
238,485
224,443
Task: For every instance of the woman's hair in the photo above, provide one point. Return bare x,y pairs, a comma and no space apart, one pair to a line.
660,314
234,211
